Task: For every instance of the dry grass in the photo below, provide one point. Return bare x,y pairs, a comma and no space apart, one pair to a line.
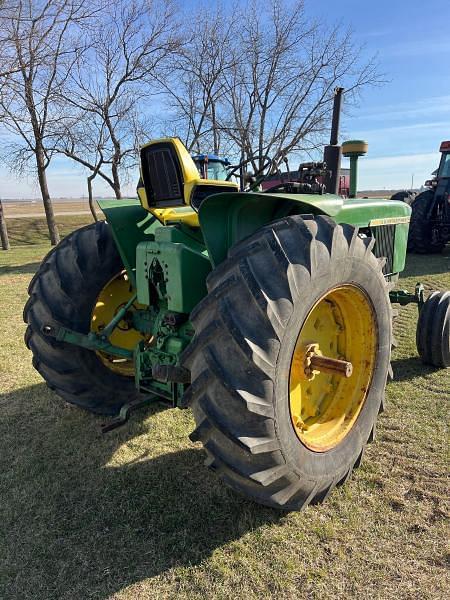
134,514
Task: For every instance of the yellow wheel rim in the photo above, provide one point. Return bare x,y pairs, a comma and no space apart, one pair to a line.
116,293
324,405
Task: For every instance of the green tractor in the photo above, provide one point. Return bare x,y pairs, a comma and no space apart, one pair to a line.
430,219
268,314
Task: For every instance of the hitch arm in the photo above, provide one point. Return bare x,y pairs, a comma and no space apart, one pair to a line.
91,341
403,297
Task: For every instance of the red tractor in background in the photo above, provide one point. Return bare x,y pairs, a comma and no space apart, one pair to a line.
429,229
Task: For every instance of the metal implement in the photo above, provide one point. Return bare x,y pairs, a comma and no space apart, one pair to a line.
404,297
125,412
91,341
107,331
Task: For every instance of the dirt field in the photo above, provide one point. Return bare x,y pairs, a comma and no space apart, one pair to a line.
134,514
15,209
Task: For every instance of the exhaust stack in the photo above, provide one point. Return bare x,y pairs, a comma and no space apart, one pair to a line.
333,152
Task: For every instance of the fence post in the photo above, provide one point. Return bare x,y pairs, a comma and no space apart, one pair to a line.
3,230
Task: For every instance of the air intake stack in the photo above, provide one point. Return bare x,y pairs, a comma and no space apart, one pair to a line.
353,149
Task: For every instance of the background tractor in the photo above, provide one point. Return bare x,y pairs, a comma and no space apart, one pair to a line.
268,314
211,166
430,219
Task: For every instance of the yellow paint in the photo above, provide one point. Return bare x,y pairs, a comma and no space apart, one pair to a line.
389,221
191,179
113,296
355,146
324,407
180,214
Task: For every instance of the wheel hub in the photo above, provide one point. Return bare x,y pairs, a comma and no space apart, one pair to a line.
332,367
313,362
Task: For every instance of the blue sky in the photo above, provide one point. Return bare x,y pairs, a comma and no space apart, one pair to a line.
404,120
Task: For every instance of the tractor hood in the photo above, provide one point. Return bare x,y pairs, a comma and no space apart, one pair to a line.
226,219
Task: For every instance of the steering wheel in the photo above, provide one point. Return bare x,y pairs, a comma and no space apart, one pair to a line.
258,173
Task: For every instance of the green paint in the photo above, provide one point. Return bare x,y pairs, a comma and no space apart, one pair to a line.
107,331
353,175
175,263
130,224
401,242
91,341
403,297
360,211
171,340
228,218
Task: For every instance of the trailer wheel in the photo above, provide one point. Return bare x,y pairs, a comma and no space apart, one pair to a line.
419,238
433,330
277,424
79,283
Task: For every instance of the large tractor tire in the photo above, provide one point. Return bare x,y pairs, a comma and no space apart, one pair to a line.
276,428
433,330
80,285
419,238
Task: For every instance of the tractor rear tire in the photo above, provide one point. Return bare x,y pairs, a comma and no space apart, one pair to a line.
419,238
433,330
241,358
64,292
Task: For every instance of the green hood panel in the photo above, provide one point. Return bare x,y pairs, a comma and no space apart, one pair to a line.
361,211
227,218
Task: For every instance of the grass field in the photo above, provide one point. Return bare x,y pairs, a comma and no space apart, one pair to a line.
32,231
134,514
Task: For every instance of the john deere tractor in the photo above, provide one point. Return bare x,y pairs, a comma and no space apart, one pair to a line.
268,314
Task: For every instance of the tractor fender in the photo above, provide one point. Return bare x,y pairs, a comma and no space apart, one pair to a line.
225,219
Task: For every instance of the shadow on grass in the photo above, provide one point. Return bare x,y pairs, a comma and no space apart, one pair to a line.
27,268
418,265
28,231
406,369
76,526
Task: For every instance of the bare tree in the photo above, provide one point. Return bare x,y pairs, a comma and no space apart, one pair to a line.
106,91
87,142
279,96
260,83
37,38
196,80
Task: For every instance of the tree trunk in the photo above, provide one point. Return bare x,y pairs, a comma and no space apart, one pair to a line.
215,130
48,207
3,230
91,198
116,180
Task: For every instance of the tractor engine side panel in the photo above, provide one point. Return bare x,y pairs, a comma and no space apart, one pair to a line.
171,269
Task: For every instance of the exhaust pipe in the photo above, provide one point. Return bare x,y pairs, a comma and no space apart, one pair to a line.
333,152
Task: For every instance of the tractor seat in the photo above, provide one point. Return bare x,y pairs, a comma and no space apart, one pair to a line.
181,214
